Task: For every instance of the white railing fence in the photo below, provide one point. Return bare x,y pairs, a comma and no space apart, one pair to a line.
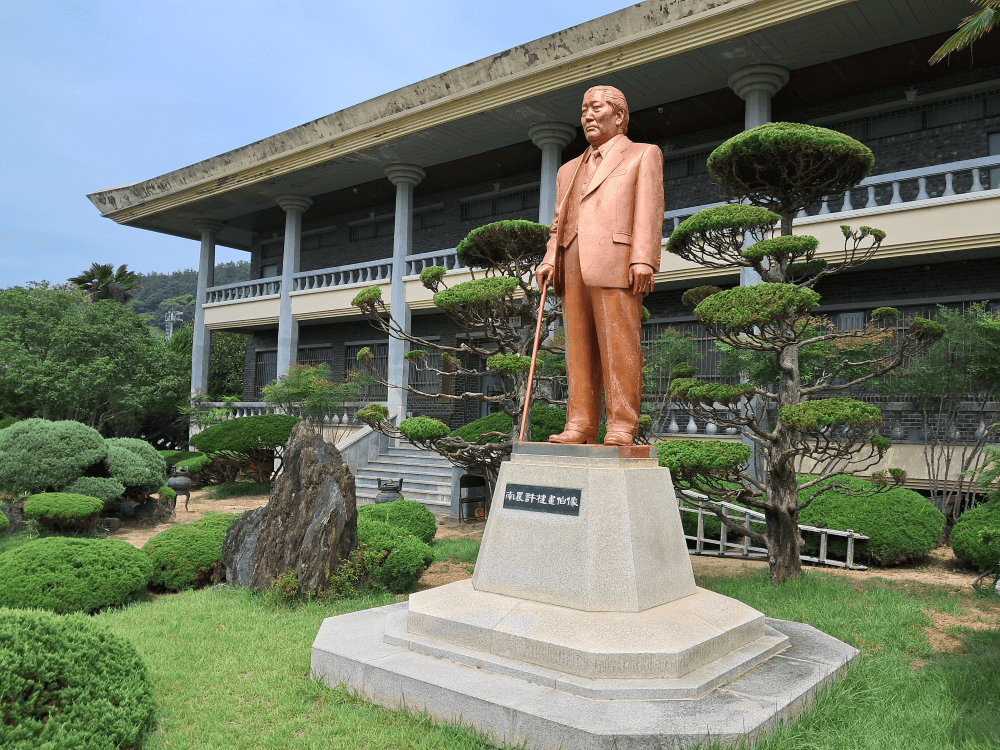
243,290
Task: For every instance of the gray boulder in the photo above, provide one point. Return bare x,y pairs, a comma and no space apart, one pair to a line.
309,525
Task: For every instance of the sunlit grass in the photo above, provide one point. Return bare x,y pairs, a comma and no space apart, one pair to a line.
455,550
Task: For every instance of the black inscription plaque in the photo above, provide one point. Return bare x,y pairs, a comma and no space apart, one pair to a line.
542,499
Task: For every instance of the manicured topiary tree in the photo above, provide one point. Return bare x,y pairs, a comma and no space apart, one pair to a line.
504,255
406,514
66,574
105,489
137,465
67,682
37,455
967,540
63,511
258,439
189,555
798,359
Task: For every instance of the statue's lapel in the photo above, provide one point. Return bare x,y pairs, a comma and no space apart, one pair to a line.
608,164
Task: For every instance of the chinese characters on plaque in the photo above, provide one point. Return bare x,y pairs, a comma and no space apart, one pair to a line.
542,499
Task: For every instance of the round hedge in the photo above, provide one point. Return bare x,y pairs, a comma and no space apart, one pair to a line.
751,307
4,522
66,574
408,515
37,455
489,291
810,416
901,524
498,244
104,489
731,218
966,536
246,434
66,683
189,555
424,428
403,557
136,464
63,510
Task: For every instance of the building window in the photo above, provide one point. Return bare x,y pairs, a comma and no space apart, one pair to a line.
271,249
316,355
269,271
265,371
428,217
380,360
995,151
851,321
423,378
368,230
501,203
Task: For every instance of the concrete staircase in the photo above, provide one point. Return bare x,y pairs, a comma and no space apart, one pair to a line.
426,476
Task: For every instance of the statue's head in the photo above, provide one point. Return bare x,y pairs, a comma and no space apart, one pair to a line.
604,114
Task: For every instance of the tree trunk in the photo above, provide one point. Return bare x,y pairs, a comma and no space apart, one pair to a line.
781,535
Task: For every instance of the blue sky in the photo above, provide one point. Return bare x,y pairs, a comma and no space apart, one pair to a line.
98,94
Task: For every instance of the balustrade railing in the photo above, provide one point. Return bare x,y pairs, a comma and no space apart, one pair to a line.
446,258
356,273
243,290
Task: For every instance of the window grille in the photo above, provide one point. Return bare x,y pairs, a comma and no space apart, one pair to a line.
265,370
316,355
708,363
994,149
851,321
371,229
686,166
428,219
271,249
424,379
500,204
380,361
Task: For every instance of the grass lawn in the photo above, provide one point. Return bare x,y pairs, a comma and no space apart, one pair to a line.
231,671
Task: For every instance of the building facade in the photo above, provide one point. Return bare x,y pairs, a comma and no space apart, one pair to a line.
377,192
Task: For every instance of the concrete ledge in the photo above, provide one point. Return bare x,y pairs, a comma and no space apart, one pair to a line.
350,649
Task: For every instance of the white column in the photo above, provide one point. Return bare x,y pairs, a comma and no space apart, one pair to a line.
405,177
756,84
201,352
288,327
551,138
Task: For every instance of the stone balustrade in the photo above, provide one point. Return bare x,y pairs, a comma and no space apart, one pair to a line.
446,258
243,290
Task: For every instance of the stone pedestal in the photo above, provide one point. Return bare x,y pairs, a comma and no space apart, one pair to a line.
582,626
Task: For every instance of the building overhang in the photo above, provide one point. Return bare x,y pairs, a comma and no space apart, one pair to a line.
657,52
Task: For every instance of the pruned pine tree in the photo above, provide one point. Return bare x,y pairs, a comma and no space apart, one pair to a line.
504,256
792,416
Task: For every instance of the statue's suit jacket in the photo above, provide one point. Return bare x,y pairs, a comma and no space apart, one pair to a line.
620,217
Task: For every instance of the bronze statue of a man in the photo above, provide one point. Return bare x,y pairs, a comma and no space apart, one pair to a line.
602,253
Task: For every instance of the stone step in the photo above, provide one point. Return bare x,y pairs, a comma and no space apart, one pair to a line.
394,471
424,457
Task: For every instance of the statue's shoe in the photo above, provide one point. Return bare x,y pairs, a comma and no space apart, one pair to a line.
572,437
618,438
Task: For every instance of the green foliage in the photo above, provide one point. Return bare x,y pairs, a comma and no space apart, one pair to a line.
415,354
988,475
197,462
162,292
189,555
367,296
403,557
103,282
226,362
546,421
694,297
364,355
967,536
94,362
455,550
687,458
68,574
498,244
240,489
732,217
429,276
668,354
807,268
508,364
4,522
901,524
37,455
684,371
172,458
104,489
309,391
881,443
680,386
68,683
497,422
63,510
166,493
408,515
750,307
246,434
424,428
811,416
8,421
718,393
782,247
372,414
489,291
136,464
926,330
885,313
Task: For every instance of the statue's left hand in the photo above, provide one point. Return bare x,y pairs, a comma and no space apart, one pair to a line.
640,278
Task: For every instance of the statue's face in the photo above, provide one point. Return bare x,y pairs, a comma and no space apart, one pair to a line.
600,121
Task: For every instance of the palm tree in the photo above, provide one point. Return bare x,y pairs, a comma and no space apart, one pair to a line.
973,27
104,282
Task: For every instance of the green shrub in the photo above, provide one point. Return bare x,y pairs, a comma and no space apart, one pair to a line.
166,493
171,458
7,422
489,292
496,422
423,428
63,510
966,536
4,523
189,555
197,462
136,464
240,489
41,456
246,435
545,421
408,515
68,683
66,574
104,489
901,524
402,557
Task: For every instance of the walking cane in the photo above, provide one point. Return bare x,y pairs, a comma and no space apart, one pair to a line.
534,358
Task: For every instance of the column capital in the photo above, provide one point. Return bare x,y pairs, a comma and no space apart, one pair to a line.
545,133
209,225
293,202
753,78
405,174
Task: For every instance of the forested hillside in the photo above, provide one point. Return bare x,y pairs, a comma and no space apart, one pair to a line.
175,291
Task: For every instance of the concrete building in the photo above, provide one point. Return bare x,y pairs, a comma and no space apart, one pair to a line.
374,193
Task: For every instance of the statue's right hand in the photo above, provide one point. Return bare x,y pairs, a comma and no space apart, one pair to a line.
545,274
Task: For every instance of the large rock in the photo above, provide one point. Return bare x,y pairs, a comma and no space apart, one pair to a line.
309,525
